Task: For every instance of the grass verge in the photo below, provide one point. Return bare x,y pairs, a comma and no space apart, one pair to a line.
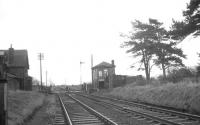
183,96
21,104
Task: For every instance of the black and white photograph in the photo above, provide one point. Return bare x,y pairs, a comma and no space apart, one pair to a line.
99,62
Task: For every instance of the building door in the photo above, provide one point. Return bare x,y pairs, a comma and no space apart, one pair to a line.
101,85
21,84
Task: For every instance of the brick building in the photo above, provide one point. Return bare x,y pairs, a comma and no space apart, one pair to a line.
102,75
17,69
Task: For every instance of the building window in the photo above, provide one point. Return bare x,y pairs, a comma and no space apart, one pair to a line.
100,74
106,72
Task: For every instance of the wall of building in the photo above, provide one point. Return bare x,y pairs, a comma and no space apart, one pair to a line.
23,80
28,84
13,84
119,80
18,71
132,79
103,74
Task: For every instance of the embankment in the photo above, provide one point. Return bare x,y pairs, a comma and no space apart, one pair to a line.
21,104
184,96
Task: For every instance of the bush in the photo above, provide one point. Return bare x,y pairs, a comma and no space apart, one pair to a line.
177,75
198,70
141,81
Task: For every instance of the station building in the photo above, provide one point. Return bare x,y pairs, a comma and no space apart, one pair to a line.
103,74
104,77
17,65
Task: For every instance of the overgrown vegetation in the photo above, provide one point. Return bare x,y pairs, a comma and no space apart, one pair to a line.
21,104
183,96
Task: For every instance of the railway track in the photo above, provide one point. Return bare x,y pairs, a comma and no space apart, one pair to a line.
152,108
152,114
78,113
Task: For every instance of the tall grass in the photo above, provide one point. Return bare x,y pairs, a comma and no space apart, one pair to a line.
182,95
21,104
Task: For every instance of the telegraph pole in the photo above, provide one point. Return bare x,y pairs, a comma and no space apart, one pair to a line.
91,69
46,84
46,78
41,57
81,72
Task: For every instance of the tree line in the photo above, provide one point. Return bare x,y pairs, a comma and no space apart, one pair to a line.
153,45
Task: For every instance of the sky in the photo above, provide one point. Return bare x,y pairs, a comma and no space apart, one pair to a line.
69,31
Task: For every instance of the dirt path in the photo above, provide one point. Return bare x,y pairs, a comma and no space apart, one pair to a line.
45,114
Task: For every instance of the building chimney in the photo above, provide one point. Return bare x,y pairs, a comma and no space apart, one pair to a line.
10,55
113,63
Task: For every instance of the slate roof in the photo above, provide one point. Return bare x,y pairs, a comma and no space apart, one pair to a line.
103,65
20,58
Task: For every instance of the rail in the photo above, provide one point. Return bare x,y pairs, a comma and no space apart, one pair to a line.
192,116
65,111
97,114
156,118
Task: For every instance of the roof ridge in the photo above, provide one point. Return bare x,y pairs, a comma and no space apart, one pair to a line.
103,64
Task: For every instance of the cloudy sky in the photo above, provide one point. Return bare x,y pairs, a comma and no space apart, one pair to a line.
69,31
